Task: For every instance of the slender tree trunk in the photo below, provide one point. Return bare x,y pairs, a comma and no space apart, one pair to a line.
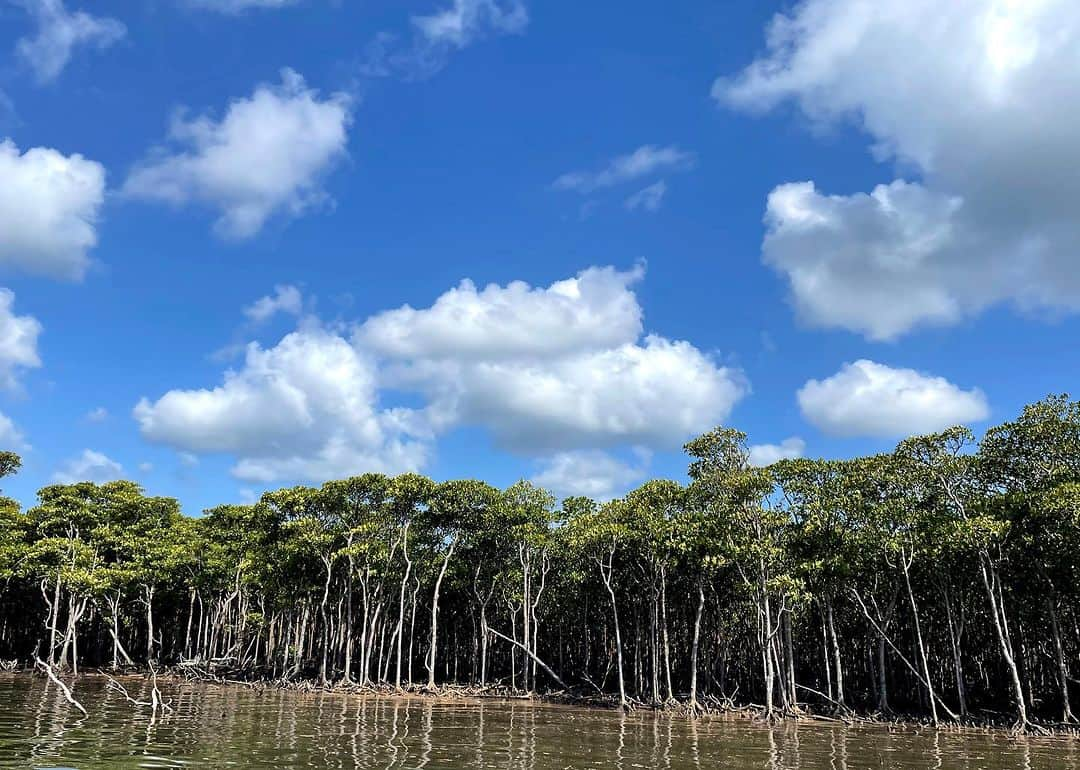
838,674
905,563
695,646
664,625
349,618
190,618
1059,653
401,606
435,614
148,600
990,579
765,632
606,574
53,632
789,656
328,565
955,630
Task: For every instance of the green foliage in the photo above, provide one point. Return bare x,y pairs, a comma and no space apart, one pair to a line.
747,561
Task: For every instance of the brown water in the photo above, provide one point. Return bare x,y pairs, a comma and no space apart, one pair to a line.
233,727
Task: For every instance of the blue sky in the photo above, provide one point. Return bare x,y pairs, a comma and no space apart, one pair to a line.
644,174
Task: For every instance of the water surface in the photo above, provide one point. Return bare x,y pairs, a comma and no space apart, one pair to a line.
234,727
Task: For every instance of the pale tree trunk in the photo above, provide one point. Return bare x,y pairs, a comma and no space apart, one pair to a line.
956,629
905,563
483,601
412,626
696,646
838,672
349,616
536,595
328,565
1062,670
118,648
664,625
148,600
765,633
789,657
525,559
190,618
991,578
606,573
55,620
401,606
435,614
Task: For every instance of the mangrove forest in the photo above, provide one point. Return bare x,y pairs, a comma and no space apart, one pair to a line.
937,581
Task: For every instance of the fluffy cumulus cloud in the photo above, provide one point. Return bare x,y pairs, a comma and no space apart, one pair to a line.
285,299
763,455
588,473
647,160
870,399
564,368
975,101
654,393
18,341
88,466
49,205
596,310
268,155
59,32
306,408
550,372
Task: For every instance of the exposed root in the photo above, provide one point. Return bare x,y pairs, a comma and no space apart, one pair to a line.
45,667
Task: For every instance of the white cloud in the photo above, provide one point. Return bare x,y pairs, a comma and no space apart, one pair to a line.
863,262
545,370
100,414
267,156
18,341
552,369
238,6
59,33
11,438
465,20
646,160
654,394
437,35
49,206
976,101
763,455
89,466
870,399
588,473
285,299
146,467
648,198
595,310
306,408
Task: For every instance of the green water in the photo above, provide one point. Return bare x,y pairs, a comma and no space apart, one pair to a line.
232,727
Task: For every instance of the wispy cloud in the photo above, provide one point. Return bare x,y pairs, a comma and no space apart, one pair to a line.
649,198
59,33
647,160
438,34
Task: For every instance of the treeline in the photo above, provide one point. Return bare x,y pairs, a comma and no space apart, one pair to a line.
939,580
